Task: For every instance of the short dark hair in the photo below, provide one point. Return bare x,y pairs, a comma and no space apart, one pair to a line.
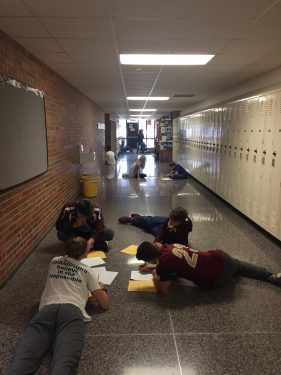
172,164
76,247
178,214
85,207
146,251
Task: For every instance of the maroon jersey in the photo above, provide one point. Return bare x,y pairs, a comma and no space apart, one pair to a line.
178,234
201,267
69,214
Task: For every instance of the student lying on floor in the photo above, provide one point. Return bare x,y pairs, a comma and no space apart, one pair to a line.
172,229
58,327
208,269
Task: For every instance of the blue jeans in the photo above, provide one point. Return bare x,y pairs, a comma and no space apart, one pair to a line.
150,224
58,328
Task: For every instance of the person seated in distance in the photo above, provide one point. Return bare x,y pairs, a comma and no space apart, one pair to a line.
208,269
85,219
136,169
172,229
58,327
177,172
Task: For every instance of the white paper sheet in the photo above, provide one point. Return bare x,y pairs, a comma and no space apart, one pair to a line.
92,262
136,275
105,276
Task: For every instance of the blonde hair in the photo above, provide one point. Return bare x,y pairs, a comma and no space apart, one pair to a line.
142,161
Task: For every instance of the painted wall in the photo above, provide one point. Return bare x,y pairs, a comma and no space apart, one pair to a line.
29,210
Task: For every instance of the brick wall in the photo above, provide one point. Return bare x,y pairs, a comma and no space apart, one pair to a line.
29,210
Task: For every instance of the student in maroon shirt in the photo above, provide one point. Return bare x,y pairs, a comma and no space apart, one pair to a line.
83,218
172,229
208,269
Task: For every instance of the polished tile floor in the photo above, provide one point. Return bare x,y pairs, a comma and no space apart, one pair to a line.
233,330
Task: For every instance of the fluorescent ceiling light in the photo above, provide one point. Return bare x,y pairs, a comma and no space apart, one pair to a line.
147,59
142,110
140,115
148,97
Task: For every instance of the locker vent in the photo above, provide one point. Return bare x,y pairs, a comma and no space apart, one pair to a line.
255,209
247,112
263,216
279,104
254,108
261,108
240,111
271,106
248,205
273,220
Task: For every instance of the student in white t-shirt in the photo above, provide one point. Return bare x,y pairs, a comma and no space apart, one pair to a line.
58,326
109,156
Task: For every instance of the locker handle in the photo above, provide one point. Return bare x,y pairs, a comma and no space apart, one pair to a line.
241,148
235,148
255,150
229,146
264,152
274,153
248,149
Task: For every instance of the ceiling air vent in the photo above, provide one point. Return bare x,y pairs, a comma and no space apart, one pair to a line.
183,96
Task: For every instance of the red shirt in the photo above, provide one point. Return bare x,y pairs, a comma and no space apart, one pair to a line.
178,234
201,267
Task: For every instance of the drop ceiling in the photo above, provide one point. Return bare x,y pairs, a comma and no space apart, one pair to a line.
81,40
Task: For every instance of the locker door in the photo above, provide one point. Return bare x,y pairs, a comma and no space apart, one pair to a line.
275,175
235,162
265,161
244,148
256,130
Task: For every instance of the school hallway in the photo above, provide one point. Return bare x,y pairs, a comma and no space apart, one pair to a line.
232,330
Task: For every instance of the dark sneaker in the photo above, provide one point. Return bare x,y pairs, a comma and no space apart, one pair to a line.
124,219
275,279
134,215
103,246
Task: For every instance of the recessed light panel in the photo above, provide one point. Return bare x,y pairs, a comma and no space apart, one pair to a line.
148,97
148,59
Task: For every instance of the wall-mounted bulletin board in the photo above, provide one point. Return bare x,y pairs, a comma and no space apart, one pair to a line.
23,138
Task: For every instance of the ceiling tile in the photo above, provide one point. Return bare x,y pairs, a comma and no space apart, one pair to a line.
147,9
49,57
20,27
223,59
39,44
199,46
263,30
144,45
68,8
87,45
145,29
77,27
226,9
64,67
92,57
260,46
13,8
208,29
273,13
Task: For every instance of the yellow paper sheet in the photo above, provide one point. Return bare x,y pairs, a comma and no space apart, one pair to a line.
132,250
96,254
141,286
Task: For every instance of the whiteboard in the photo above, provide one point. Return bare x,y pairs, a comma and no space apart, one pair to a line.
23,138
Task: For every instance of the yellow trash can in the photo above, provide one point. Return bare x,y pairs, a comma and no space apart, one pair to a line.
90,184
